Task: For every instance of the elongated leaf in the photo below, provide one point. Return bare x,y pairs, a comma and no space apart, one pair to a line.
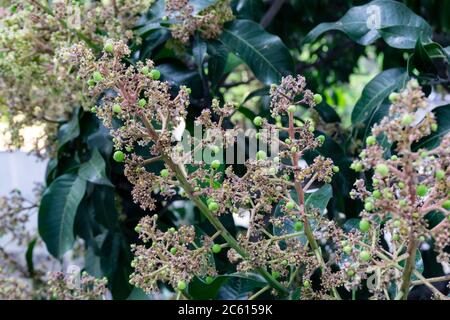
217,61
442,115
376,91
29,256
94,170
69,130
319,199
57,213
264,53
387,19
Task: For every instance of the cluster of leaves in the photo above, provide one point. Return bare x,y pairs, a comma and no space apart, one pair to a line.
88,196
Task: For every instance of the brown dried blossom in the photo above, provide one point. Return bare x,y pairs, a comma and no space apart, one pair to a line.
208,22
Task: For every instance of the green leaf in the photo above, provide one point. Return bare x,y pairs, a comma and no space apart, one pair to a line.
390,20
442,115
319,199
29,256
264,91
376,91
94,170
264,53
69,130
427,57
216,62
227,287
351,224
57,213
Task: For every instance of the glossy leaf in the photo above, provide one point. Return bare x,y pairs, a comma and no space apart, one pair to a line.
57,212
94,170
264,53
442,115
390,20
376,91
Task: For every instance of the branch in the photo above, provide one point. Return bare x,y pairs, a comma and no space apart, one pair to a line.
271,13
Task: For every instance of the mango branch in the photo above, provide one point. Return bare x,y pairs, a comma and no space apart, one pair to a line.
231,241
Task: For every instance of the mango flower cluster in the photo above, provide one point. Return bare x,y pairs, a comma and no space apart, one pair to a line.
34,88
64,286
407,185
141,112
208,22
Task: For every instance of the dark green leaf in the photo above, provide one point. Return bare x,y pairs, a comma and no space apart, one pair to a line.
391,20
69,130
376,91
29,256
94,170
57,213
442,115
264,53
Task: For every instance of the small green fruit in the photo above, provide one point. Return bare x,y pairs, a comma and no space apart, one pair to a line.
347,249
173,250
397,223
446,205
371,140
364,225
421,190
155,74
209,280
275,274
298,226
290,205
401,185
368,206
396,237
291,108
321,138
215,164
91,82
216,248
434,127
142,103
258,136
407,119
118,156
394,97
358,167
335,169
306,283
317,98
182,285
294,149
117,108
164,173
145,70
108,47
394,158
261,155
382,169
213,206
365,256
376,194
440,174
97,76
257,121
350,273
